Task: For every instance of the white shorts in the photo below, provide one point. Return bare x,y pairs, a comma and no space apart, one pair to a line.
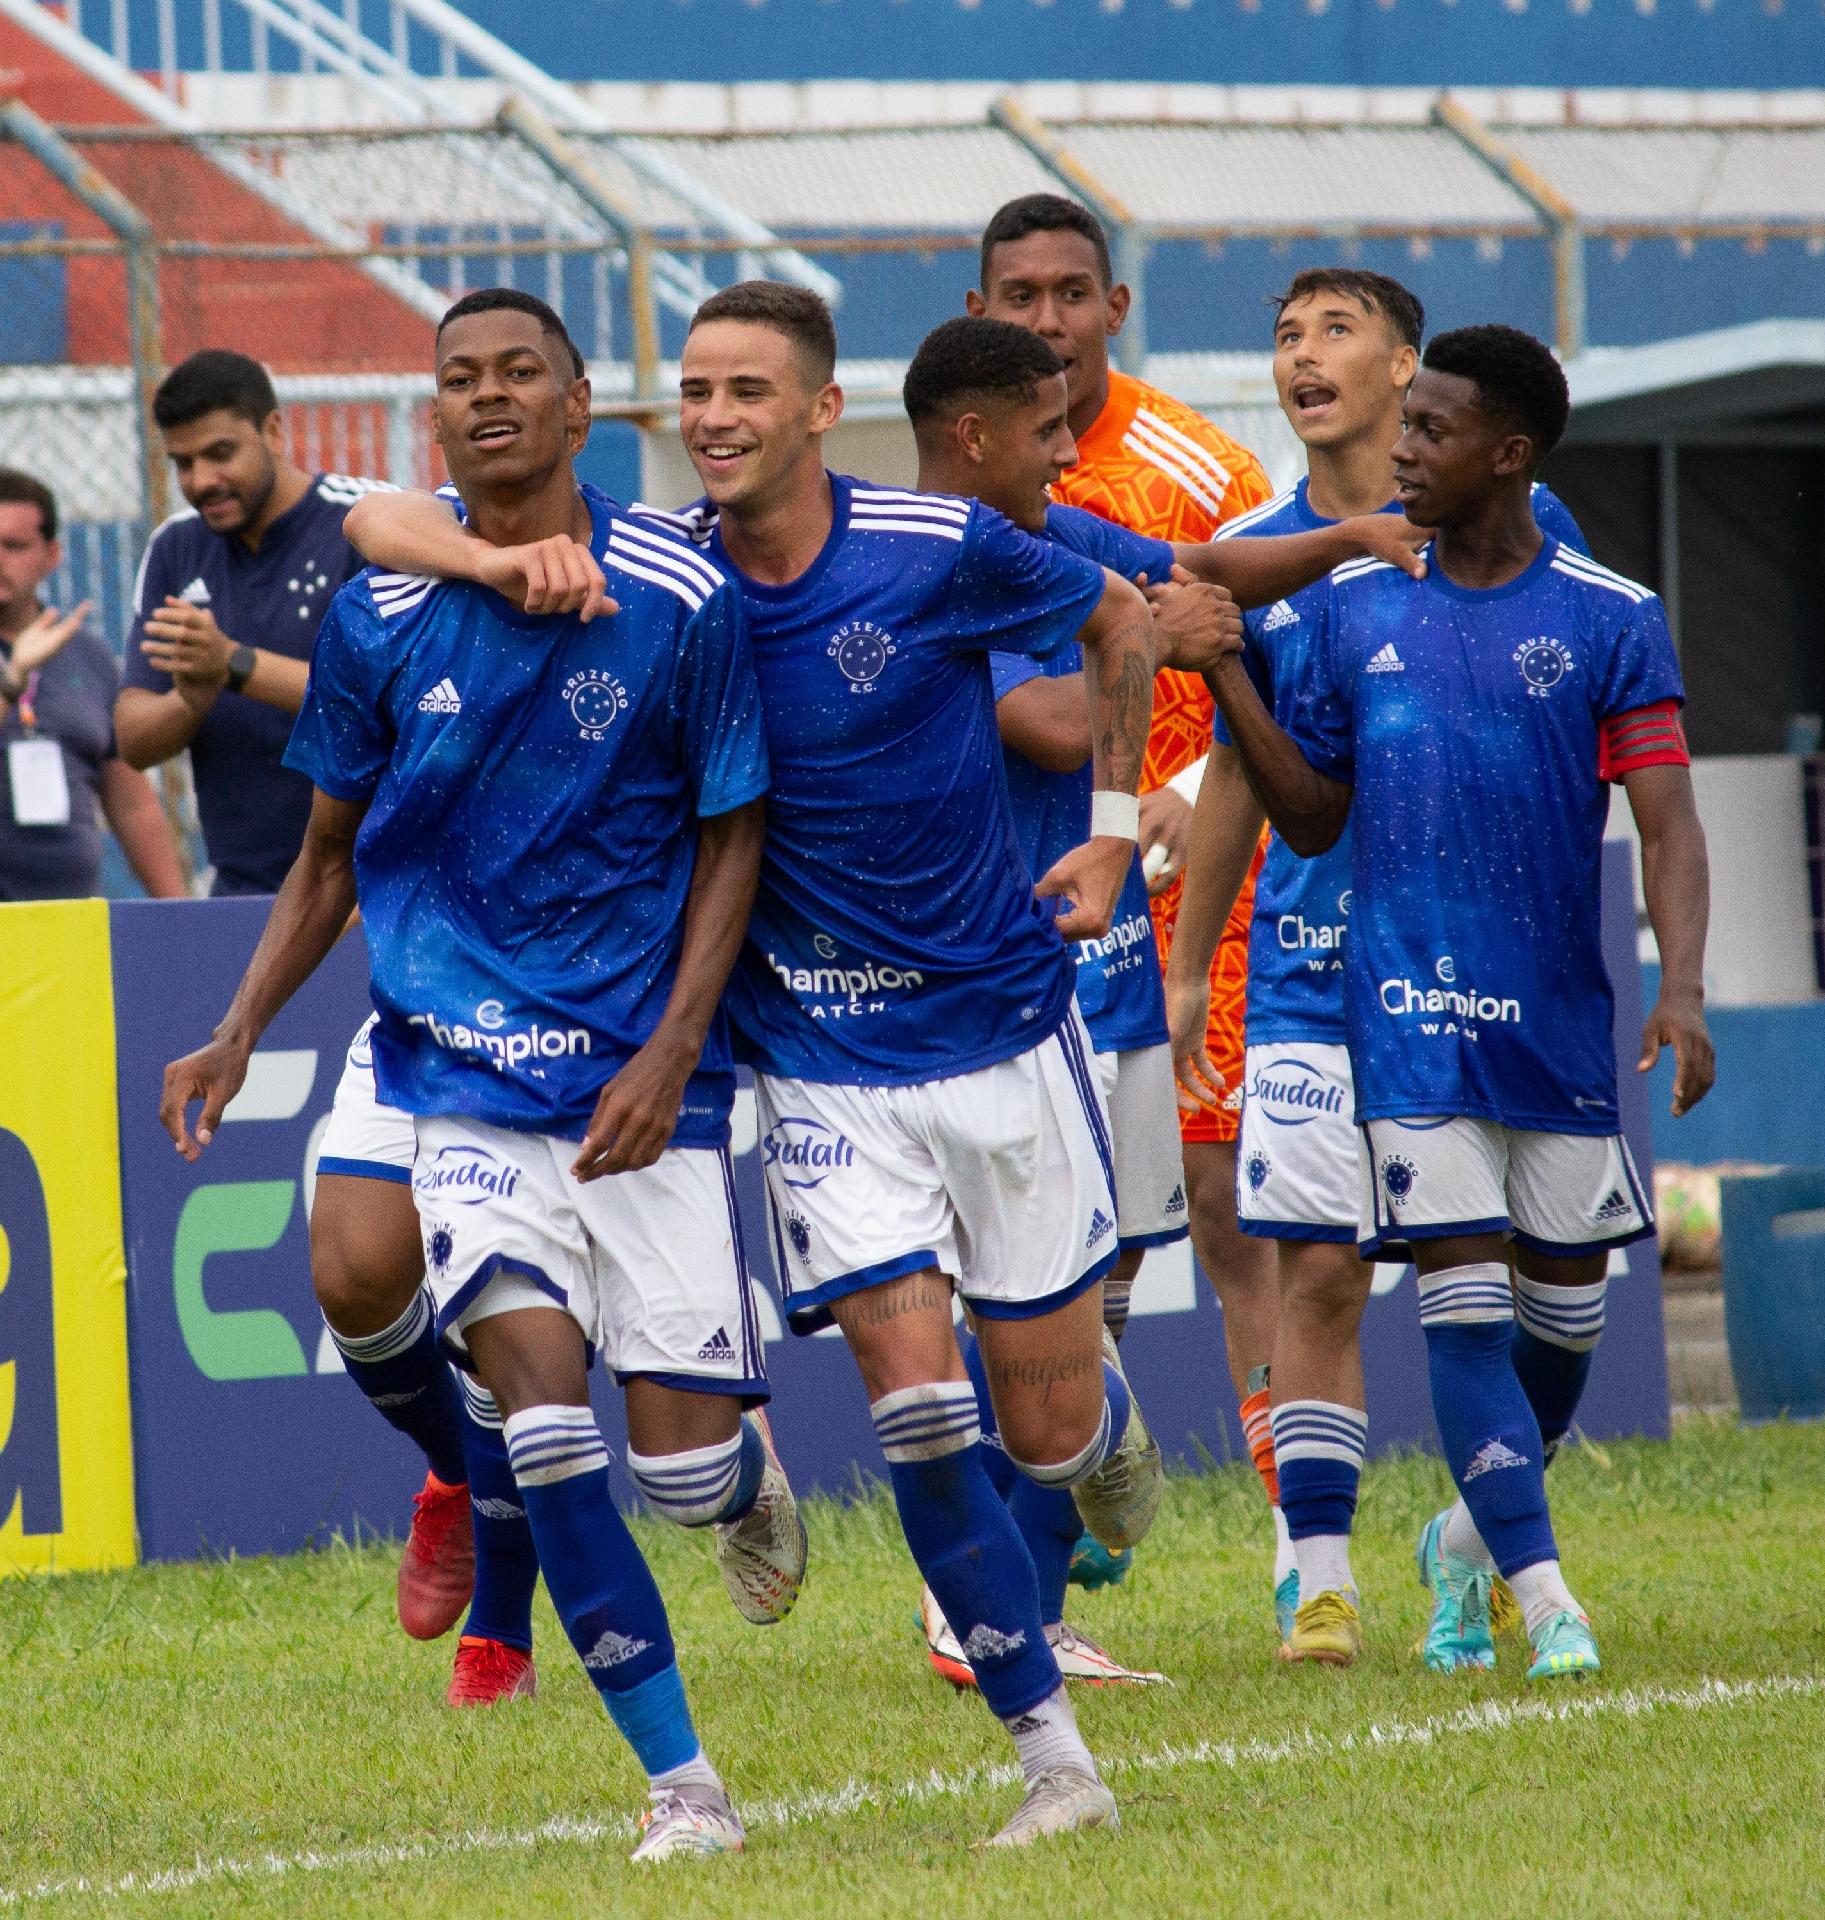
649,1264
999,1177
366,1138
1299,1161
1559,1193
1149,1156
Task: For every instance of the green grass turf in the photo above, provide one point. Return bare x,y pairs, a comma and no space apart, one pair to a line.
244,1709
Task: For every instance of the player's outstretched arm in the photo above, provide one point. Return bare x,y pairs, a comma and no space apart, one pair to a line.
410,532
1118,664
638,1109
1225,825
1676,880
1262,568
1193,621
1308,808
307,917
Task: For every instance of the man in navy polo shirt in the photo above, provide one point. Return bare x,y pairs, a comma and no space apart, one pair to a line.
227,604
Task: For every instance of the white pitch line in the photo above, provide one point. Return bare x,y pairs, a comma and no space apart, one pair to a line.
854,1796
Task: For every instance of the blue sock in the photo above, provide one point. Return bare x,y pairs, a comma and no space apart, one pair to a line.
1555,1340
1318,1449
506,1562
409,1383
965,1542
1491,1438
1047,1516
603,1591
995,1462
708,1484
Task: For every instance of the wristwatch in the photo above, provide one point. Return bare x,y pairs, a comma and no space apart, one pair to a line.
241,663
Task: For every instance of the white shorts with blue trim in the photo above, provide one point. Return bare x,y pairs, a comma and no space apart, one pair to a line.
648,1263
1299,1158
1558,1193
1149,1155
365,1137
1000,1178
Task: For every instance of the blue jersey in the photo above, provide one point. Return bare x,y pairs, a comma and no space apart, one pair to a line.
1469,722
1302,907
896,938
1119,989
251,805
534,786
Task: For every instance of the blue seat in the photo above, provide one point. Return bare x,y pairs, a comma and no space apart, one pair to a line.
1774,1291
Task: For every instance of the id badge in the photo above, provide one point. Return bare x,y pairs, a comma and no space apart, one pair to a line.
41,789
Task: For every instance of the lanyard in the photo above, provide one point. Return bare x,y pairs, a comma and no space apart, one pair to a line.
28,709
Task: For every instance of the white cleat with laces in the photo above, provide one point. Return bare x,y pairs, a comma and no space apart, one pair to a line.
692,1821
762,1555
1119,1500
1078,1656
1060,1800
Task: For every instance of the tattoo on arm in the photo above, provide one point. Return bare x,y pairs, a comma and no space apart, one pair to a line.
1127,684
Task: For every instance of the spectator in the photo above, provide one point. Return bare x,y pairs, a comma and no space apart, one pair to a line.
57,688
229,598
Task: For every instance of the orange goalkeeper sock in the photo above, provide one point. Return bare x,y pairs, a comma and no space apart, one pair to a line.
1259,1430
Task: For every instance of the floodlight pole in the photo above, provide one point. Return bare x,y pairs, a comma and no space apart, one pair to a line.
1559,215
1127,235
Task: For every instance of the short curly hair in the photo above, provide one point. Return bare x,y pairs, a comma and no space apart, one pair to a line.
964,362
1516,377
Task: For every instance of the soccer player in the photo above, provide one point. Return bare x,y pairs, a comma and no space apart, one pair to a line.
1346,343
926,1100
1471,720
1150,463
553,828
988,405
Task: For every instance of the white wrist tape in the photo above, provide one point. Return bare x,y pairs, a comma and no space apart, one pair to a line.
1117,815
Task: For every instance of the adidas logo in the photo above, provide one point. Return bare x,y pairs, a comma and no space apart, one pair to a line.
1616,1207
443,698
614,1650
987,1643
1386,661
717,1347
1177,1203
1277,616
492,1509
1491,1457
394,1399
1100,1224
196,593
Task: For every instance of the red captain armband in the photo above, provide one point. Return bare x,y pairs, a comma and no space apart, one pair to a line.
1644,737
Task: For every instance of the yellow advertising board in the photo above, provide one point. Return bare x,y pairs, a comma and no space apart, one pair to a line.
66,1448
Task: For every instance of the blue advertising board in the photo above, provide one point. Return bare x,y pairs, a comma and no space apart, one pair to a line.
248,1438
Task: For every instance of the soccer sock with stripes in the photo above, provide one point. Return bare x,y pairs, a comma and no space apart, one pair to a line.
603,1590
1555,1339
1047,1516
965,1542
1318,1448
408,1382
1258,1430
1490,1436
506,1561
706,1485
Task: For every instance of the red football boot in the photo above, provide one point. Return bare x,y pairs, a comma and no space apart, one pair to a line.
437,1569
490,1671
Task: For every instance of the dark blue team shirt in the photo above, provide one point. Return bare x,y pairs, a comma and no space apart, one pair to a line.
1297,939
1468,723
896,938
1119,989
534,786
252,806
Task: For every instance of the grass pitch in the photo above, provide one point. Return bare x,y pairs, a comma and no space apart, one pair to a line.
258,1738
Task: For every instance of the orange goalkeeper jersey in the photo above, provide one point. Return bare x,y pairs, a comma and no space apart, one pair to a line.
1151,464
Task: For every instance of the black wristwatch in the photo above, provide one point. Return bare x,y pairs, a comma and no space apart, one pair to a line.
241,663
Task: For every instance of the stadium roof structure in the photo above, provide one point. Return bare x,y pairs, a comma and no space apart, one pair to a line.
1759,384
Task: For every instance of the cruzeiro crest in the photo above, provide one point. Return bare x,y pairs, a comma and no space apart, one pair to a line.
861,651
1543,664
594,699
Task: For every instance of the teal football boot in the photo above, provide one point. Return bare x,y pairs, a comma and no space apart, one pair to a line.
1458,1635
1564,1647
